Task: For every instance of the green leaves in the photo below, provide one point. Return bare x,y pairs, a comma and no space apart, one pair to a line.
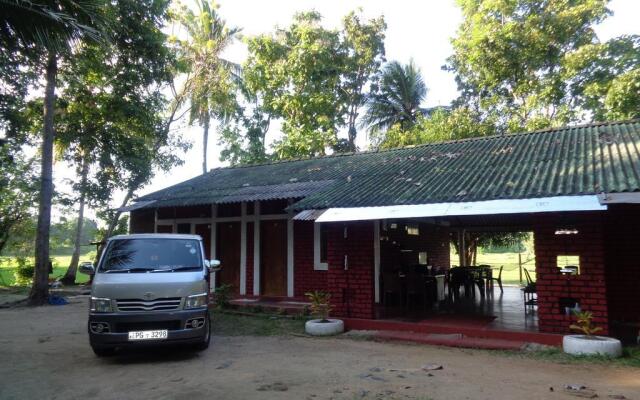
398,99
528,65
314,79
209,86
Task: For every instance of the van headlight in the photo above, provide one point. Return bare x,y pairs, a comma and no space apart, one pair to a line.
196,301
98,304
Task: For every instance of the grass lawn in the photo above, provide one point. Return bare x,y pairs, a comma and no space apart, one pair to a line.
510,273
60,264
228,324
630,357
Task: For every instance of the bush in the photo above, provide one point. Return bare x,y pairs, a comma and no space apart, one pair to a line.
23,274
223,295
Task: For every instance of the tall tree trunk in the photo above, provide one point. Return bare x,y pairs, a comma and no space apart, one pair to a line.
70,276
40,288
205,141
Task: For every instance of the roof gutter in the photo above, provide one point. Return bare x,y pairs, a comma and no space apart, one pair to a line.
619,198
489,207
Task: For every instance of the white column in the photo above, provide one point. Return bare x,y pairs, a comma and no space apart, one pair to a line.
256,248
243,249
376,260
214,232
290,271
155,220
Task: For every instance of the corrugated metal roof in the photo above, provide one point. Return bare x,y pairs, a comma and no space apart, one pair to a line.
587,159
197,194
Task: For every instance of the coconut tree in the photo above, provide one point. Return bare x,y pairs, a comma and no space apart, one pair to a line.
210,84
397,100
48,29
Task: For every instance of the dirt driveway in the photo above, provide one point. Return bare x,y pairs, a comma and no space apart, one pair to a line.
45,355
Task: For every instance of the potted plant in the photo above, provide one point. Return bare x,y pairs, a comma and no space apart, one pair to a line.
320,308
588,343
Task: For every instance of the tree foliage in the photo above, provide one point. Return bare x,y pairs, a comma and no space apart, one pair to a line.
18,193
440,125
313,79
398,99
527,64
210,81
48,30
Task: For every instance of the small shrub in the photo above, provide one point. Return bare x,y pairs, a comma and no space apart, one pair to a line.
23,274
306,311
257,309
223,295
320,304
584,324
282,311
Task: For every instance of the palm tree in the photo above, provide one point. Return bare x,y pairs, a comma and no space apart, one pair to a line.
211,78
397,101
49,28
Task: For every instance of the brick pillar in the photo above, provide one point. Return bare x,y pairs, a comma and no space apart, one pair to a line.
351,290
589,287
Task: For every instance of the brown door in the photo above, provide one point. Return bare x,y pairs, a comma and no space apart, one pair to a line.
204,230
273,257
228,252
165,229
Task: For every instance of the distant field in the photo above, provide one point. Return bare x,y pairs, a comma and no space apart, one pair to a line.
60,264
510,273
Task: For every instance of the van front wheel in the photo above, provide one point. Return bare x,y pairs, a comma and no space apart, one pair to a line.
207,336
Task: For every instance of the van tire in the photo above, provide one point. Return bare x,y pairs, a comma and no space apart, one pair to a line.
104,351
205,341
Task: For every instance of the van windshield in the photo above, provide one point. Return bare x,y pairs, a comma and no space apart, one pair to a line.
152,255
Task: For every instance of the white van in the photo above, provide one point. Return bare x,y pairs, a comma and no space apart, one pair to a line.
150,289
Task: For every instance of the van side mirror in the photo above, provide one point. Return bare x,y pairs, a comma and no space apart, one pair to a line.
87,268
213,265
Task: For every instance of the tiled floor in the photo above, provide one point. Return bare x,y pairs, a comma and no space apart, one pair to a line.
503,311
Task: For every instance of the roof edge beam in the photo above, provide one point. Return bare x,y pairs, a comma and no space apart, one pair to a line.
489,207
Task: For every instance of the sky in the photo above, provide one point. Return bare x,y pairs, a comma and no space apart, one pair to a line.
418,30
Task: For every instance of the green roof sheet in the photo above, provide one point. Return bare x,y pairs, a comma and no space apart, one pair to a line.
579,160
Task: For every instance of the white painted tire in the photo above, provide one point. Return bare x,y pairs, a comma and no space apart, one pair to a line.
316,328
602,345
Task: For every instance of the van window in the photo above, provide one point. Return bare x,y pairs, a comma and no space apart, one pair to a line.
156,255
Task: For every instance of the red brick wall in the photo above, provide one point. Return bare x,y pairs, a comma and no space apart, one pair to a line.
623,262
305,278
589,287
351,290
249,280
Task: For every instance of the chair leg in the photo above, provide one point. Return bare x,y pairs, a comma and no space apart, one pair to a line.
500,284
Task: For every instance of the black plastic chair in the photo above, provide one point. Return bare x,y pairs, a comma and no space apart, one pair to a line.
498,279
392,289
530,293
416,289
460,277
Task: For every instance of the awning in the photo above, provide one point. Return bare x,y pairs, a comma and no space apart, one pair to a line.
490,207
619,198
308,215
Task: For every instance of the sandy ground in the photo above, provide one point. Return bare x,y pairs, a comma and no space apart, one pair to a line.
45,354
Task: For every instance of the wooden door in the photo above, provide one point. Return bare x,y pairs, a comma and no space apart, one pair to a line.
164,229
204,230
228,252
273,257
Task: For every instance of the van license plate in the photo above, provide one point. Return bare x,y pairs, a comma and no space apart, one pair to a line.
149,335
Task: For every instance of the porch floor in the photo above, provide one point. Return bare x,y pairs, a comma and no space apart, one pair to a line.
498,311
